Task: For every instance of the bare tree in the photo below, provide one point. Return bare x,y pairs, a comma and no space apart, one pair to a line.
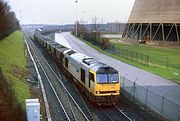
95,28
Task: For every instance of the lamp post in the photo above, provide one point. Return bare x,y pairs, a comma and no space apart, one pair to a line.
20,17
76,16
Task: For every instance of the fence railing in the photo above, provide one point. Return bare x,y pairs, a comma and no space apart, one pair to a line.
145,59
143,95
141,58
130,55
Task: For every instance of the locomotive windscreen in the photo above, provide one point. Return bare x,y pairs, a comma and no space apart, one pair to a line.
107,75
107,78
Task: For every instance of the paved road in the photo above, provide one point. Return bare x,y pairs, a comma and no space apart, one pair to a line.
157,84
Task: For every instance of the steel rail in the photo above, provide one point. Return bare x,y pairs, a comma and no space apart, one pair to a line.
108,116
64,110
51,85
41,84
121,111
61,82
84,103
71,107
81,98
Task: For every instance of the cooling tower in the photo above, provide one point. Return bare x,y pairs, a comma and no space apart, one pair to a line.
154,20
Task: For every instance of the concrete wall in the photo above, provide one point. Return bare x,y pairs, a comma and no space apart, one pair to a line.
155,11
115,27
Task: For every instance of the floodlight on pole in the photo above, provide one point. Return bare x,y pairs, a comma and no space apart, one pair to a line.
76,16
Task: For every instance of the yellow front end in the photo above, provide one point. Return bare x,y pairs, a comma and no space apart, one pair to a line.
107,89
107,94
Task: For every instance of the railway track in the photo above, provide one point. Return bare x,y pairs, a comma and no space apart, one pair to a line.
70,108
116,114
124,113
69,86
71,105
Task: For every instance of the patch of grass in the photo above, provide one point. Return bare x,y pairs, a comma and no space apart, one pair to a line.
161,56
155,53
14,65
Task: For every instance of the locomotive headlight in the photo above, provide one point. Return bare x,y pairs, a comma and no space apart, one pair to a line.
117,91
97,92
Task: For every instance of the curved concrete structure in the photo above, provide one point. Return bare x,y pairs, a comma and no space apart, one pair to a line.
154,20
155,11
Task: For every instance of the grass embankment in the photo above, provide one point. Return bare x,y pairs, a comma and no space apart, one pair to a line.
14,65
173,59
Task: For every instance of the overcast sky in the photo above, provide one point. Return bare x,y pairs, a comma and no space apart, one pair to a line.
64,11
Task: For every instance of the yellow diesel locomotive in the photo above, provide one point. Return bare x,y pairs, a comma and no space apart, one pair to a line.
99,82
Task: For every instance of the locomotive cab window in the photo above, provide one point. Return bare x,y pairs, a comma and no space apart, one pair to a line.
103,78
82,75
66,62
54,51
61,57
91,78
46,45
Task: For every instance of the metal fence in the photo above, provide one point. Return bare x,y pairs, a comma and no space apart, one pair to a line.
131,55
141,58
142,95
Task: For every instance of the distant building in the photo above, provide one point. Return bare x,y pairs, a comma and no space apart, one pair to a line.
115,27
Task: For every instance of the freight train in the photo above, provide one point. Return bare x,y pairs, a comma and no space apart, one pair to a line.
98,81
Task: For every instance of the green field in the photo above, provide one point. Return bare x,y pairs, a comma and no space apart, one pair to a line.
163,62
14,65
161,56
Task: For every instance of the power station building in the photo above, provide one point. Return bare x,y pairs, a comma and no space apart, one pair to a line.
116,27
154,20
